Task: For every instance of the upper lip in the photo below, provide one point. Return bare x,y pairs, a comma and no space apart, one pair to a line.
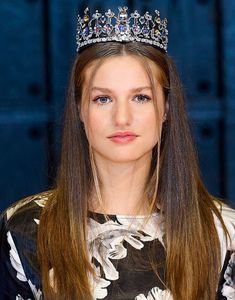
123,133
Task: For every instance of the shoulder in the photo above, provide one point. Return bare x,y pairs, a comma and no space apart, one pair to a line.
228,216
19,222
18,251
226,287
27,205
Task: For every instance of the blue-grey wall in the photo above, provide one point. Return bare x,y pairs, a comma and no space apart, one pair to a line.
37,47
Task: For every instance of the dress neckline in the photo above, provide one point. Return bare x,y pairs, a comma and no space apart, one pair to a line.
123,216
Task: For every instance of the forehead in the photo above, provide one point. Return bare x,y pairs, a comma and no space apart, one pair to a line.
120,72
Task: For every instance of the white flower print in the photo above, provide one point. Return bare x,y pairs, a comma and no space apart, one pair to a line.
19,297
15,259
99,285
154,229
228,289
229,221
105,243
36,221
36,292
228,292
17,265
156,294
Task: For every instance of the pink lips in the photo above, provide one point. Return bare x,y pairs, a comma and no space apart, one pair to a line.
123,137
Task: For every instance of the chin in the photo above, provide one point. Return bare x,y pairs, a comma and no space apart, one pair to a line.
124,158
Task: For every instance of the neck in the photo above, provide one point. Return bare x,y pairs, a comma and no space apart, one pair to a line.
122,186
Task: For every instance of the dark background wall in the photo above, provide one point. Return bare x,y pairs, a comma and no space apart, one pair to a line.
37,48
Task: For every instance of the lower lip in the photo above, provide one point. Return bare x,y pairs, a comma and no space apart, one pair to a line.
123,139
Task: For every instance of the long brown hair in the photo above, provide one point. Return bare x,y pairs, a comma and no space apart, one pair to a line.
192,244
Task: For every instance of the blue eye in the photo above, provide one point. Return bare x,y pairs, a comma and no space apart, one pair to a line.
142,98
102,100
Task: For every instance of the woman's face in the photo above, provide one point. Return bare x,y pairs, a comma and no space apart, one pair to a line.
120,121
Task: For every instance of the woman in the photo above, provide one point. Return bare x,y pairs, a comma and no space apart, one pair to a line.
129,217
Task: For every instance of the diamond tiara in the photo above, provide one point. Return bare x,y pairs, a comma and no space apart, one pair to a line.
100,28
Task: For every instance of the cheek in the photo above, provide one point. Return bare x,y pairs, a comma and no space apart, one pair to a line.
151,125
96,126
149,120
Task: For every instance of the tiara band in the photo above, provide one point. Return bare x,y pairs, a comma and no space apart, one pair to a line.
100,28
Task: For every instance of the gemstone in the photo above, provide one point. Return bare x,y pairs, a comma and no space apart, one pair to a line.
164,32
135,14
122,28
164,39
157,20
102,20
148,16
86,18
142,20
98,29
157,12
145,30
107,28
157,32
109,13
85,32
136,29
123,16
79,27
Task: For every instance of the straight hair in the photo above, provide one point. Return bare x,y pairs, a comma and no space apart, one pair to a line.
193,257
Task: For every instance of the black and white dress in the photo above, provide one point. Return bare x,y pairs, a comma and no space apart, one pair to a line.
119,250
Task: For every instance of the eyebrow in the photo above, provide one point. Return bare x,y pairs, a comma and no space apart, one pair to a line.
106,90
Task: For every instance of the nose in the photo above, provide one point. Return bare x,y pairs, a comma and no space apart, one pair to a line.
122,114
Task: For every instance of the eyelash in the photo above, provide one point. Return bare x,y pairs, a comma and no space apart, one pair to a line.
140,95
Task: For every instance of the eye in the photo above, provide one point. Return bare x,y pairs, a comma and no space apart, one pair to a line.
142,98
102,100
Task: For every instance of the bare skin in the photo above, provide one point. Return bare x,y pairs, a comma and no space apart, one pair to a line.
117,106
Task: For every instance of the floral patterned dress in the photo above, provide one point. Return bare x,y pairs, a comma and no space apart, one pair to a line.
119,250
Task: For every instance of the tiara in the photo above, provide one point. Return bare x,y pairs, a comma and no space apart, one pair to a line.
121,28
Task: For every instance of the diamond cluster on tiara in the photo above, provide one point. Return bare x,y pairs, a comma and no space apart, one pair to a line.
122,28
